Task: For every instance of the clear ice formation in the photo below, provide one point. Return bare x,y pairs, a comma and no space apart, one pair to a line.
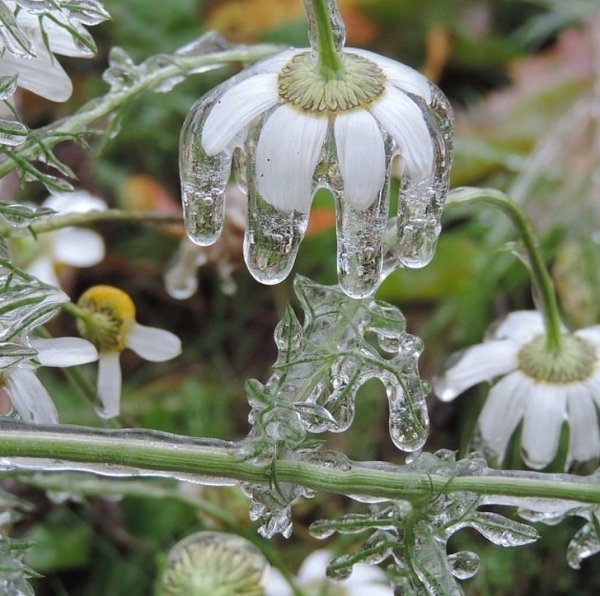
323,362
273,233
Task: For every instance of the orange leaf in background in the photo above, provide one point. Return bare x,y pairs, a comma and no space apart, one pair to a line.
321,220
244,21
438,47
145,193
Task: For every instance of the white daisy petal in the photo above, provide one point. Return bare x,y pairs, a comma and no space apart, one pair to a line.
156,345
63,351
399,75
521,326
314,566
503,410
276,584
591,334
593,385
78,247
403,120
236,108
287,154
43,269
109,384
41,74
362,164
545,414
482,362
79,201
30,398
274,64
584,436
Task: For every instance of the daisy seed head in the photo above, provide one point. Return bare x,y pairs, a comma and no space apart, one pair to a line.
110,315
301,84
574,362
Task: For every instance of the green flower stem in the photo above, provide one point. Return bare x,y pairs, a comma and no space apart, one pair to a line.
541,278
321,19
217,462
42,139
57,222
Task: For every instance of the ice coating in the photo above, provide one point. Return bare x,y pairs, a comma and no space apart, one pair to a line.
282,155
323,362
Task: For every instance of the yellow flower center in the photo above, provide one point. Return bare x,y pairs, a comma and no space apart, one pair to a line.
110,313
575,361
301,84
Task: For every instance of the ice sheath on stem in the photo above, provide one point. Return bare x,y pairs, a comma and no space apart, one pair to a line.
328,117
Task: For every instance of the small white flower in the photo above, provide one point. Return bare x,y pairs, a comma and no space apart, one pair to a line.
26,393
77,247
111,326
541,388
365,580
23,49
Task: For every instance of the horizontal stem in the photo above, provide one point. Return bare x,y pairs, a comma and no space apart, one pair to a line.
57,222
216,462
46,137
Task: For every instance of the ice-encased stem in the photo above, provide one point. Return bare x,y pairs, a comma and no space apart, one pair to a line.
217,460
326,32
541,278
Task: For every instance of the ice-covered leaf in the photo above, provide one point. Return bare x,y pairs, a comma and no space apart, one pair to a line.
341,344
501,530
20,216
585,543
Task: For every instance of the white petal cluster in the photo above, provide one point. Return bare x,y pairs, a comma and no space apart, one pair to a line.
311,579
286,139
28,397
542,406
76,247
31,33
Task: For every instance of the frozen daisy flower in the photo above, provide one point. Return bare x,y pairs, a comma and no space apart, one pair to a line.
106,317
77,247
311,579
32,32
293,124
27,396
543,389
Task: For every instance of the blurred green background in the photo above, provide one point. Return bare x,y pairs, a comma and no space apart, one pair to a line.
521,77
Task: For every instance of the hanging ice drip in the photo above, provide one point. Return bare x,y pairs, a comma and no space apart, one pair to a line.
321,117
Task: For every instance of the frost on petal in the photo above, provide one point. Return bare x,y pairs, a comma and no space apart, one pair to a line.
109,384
521,326
361,156
42,74
482,362
503,410
78,247
156,345
402,118
63,351
287,154
29,397
236,108
400,75
584,436
546,411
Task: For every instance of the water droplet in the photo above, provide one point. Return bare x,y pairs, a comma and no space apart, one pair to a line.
463,564
417,241
272,240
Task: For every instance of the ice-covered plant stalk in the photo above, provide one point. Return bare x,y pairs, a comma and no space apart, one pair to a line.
320,117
